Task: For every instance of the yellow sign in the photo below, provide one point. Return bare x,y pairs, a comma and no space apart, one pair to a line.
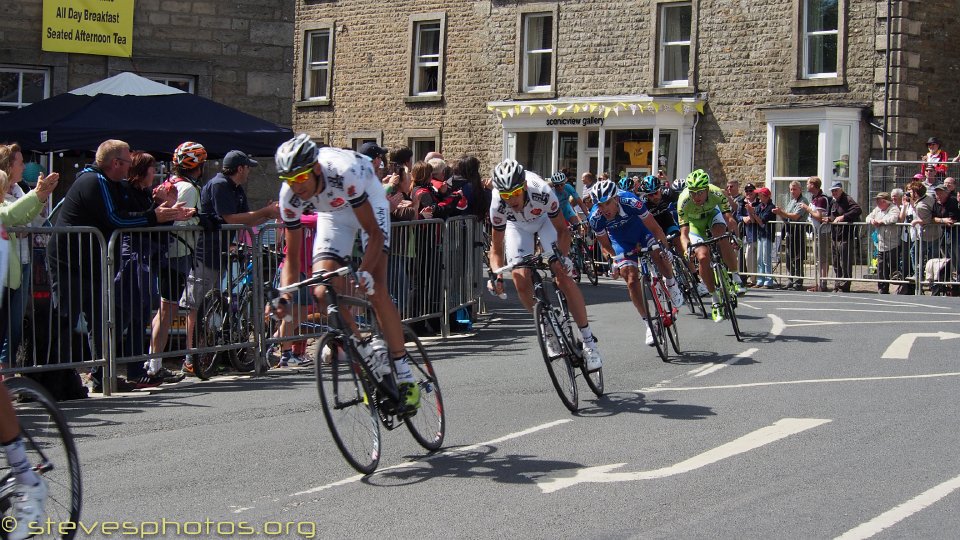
103,27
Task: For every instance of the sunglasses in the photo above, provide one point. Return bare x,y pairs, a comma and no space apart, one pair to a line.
508,194
297,177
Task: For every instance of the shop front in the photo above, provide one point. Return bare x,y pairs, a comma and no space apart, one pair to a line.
620,135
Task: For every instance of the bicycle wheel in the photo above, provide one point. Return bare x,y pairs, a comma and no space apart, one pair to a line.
655,322
244,330
688,285
50,450
577,263
208,333
559,367
429,425
590,267
727,297
594,378
348,405
669,316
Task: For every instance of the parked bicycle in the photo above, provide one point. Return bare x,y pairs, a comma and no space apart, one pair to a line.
356,396
661,313
581,252
722,280
51,452
559,338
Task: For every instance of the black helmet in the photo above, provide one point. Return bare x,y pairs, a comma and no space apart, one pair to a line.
508,175
296,154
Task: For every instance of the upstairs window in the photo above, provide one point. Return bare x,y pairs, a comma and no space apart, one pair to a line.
20,87
537,60
426,58
674,47
185,83
318,52
821,23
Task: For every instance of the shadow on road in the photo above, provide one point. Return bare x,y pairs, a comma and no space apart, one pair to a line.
636,403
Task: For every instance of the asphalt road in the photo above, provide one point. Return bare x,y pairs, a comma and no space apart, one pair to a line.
804,430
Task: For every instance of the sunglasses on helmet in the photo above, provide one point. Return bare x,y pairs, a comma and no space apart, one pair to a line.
508,194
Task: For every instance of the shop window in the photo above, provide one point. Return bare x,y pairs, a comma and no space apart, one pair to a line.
538,59
21,86
673,51
427,58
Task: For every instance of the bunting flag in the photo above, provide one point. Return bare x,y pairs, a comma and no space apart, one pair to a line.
644,106
699,106
678,107
593,107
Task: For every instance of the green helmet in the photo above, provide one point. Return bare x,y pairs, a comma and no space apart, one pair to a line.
698,180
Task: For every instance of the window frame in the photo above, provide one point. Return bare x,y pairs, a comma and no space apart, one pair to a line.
662,45
524,15
803,79
308,31
167,78
416,22
656,55
21,70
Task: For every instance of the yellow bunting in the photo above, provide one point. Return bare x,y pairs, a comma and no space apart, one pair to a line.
678,107
593,107
700,107
656,106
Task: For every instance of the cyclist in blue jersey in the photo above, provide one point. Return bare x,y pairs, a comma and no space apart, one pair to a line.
567,193
624,226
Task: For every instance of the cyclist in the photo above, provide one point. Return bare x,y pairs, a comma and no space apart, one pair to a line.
661,201
567,193
703,212
624,226
630,184
342,188
524,205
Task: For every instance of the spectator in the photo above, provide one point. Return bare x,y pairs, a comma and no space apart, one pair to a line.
951,184
930,176
97,199
375,153
795,234
734,197
588,180
398,186
427,260
432,155
17,211
843,210
817,213
762,214
927,232
748,233
936,158
946,212
884,218
188,162
466,178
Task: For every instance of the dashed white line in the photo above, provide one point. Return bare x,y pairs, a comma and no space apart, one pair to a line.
804,381
901,512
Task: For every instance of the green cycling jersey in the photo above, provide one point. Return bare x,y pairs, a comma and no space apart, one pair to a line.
699,216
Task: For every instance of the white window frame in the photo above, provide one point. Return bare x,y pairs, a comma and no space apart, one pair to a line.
549,21
421,60
168,79
309,93
826,119
663,45
808,36
20,71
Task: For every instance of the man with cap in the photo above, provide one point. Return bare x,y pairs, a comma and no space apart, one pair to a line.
884,218
373,151
749,229
946,212
843,212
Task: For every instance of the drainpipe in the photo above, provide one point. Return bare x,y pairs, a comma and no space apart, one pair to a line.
886,81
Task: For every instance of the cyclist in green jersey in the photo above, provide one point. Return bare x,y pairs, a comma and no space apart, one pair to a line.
703,212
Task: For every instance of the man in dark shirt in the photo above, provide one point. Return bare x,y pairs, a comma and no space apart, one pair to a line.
843,212
946,212
96,199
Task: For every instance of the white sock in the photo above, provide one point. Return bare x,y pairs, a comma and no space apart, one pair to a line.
19,465
736,277
716,297
587,334
404,373
671,282
156,364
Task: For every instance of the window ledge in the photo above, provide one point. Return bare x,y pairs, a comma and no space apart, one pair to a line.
818,83
536,95
671,91
423,99
312,103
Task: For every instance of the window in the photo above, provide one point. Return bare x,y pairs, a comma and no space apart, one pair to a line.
318,52
185,83
421,146
674,46
20,87
426,60
537,60
821,23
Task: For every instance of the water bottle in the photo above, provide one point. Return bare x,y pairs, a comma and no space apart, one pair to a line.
493,290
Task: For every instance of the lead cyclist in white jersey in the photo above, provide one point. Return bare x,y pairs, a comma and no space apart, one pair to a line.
524,205
343,190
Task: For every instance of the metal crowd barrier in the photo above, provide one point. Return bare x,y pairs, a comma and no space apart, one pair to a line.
56,316
462,274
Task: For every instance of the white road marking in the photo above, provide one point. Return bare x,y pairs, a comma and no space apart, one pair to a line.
905,303
899,513
744,304
778,325
602,473
937,313
714,367
453,452
808,322
805,381
900,348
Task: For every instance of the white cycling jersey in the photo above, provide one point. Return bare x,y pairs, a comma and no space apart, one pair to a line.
541,204
349,181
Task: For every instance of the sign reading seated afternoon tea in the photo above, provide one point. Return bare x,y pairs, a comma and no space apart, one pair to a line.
103,27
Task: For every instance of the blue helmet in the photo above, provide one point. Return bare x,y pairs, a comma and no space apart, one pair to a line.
603,191
650,184
625,183
558,178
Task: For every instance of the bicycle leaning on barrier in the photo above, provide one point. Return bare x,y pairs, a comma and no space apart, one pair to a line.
360,392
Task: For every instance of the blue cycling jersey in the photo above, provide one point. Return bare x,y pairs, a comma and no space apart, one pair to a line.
565,195
626,230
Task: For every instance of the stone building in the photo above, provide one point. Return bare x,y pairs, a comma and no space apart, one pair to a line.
756,91
237,52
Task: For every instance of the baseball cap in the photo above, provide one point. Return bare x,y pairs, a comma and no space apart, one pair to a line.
236,158
749,187
763,191
836,185
939,186
918,176
371,150
884,195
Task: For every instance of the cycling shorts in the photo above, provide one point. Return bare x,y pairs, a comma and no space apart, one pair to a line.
699,232
337,231
519,241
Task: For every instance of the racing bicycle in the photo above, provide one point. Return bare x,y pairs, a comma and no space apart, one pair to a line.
356,398
723,281
661,313
581,251
557,333
686,280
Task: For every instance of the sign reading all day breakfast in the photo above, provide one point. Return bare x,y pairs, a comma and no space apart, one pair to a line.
103,27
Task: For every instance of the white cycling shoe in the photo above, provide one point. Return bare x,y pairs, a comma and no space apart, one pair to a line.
649,339
591,354
28,509
702,289
676,296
